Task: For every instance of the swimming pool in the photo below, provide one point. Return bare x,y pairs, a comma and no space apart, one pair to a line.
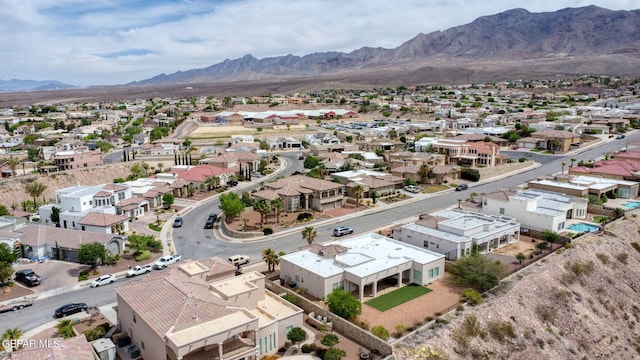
582,227
631,204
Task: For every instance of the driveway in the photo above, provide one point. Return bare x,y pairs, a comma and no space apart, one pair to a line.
55,274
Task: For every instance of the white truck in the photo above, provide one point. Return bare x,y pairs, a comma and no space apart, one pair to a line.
138,270
166,260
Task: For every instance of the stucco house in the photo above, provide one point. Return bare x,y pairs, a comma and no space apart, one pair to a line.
453,232
177,314
303,193
358,264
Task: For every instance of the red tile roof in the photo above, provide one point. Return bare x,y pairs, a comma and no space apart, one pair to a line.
101,219
38,235
73,348
200,173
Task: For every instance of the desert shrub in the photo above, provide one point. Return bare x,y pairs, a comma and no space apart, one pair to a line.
381,332
546,313
145,255
400,329
636,246
471,327
304,216
267,231
308,348
604,258
472,297
112,259
292,299
96,333
622,257
83,276
154,244
501,331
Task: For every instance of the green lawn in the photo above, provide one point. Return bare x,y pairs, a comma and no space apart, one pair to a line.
397,297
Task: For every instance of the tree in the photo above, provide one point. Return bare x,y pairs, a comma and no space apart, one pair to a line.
311,162
330,340
520,257
55,216
137,171
573,161
296,335
550,236
12,164
167,200
343,304
6,255
358,190
563,165
231,204
334,354
35,189
478,271
277,205
271,258
92,253
374,196
309,234
264,208
11,334
65,328
423,173
6,271
542,245
4,211
212,182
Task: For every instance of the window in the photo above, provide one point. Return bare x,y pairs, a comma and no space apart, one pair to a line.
501,211
134,317
425,244
484,202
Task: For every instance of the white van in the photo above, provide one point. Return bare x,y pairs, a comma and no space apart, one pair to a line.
239,259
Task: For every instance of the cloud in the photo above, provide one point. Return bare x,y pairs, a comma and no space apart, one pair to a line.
105,42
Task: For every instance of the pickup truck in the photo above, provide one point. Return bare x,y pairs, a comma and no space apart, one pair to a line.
138,270
15,305
166,260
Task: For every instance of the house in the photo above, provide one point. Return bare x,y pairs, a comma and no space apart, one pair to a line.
198,175
534,209
370,180
303,193
583,186
552,140
235,160
177,314
453,232
359,264
76,347
40,241
613,169
75,159
76,202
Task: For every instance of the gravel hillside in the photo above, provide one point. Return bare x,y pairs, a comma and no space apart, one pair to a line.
581,303
12,189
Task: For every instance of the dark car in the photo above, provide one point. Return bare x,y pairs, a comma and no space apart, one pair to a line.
210,221
177,222
69,309
462,187
28,277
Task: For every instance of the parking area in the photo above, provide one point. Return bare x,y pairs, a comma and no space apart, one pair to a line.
55,274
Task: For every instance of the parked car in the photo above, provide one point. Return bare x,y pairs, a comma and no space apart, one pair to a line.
166,260
28,277
462,187
620,136
342,230
238,260
103,280
138,270
412,189
69,309
210,221
177,222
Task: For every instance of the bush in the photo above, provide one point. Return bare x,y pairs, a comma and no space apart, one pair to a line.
308,348
381,332
304,216
83,276
145,255
470,174
472,297
112,259
292,299
154,245
267,231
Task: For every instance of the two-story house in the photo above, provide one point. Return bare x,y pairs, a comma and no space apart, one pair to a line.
303,193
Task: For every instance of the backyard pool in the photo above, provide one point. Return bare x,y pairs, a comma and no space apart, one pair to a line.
631,205
582,227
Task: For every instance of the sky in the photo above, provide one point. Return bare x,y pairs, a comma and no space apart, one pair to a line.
111,42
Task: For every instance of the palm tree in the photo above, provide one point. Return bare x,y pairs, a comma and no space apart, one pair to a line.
160,166
573,161
423,173
244,224
309,234
271,258
358,190
563,165
65,328
264,208
12,334
212,182
35,189
12,164
277,204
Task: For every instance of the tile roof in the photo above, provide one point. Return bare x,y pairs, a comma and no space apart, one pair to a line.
200,173
610,167
562,134
102,194
38,235
115,187
301,184
135,200
101,219
171,301
73,348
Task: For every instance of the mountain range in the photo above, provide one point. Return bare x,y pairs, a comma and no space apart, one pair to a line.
512,44
582,40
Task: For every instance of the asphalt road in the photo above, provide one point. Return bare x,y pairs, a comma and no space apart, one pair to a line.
193,241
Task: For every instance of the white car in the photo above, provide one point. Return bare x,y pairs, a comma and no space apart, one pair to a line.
412,189
103,280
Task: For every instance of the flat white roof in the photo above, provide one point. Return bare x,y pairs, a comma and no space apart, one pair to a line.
366,254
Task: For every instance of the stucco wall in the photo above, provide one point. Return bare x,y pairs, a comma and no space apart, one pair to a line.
488,172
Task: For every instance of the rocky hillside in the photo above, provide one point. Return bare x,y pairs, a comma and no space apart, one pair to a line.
12,189
581,303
